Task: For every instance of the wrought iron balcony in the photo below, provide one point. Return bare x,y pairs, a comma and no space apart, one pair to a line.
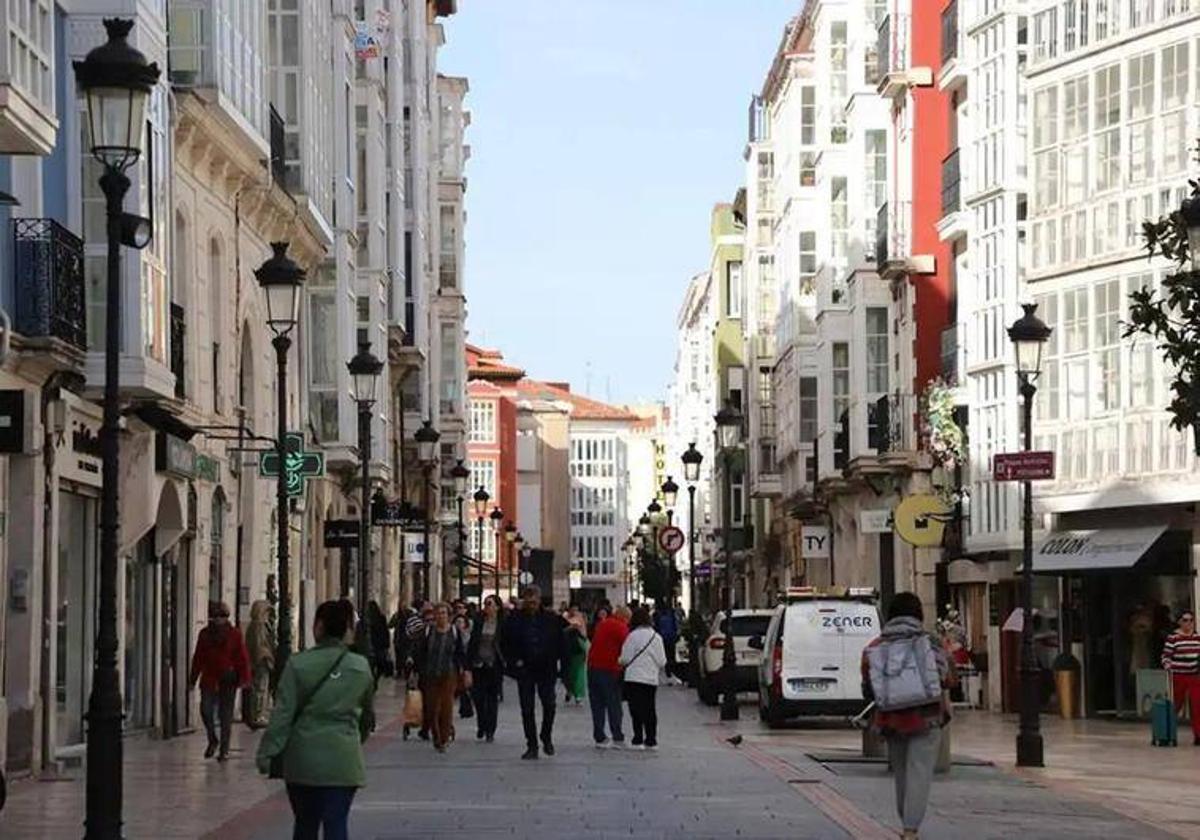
49,284
951,179
892,423
178,344
278,149
895,75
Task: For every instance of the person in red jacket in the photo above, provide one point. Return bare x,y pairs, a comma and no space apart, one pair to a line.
604,677
222,665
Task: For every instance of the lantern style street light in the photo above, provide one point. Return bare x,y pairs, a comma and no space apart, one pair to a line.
729,432
280,279
461,474
670,492
427,439
692,459
482,497
1028,335
116,80
497,517
364,375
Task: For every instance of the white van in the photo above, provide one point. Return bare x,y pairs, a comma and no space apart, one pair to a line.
812,653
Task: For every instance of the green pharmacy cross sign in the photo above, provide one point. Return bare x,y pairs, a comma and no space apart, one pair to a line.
299,464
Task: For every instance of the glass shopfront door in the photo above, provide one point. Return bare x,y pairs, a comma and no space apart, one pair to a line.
75,615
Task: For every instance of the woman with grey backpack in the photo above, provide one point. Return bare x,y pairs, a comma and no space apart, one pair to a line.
906,676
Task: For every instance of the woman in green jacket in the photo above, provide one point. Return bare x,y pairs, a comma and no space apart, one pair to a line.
323,712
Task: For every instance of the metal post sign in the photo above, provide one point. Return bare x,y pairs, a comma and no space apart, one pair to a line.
299,464
1023,466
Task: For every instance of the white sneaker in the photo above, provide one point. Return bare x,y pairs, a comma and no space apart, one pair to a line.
602,745
618,745
651,748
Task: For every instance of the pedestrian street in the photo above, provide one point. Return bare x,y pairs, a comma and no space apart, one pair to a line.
696,785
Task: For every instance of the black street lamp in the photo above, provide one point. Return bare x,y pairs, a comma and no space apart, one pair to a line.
460,474
497,517
691,474
482,497
510,536
1028,335
427,439
729,432
364,373
280,278
117,80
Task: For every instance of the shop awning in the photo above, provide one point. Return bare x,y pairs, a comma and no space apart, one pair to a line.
1094,550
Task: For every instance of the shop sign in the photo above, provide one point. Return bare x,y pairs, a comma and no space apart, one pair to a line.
12,421
1100,548
414,547
814,542
875,521
396,514
299,464
574,579
1023,466
341,533
208,469
83,461
174,455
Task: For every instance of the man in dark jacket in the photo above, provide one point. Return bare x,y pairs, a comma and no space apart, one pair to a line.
533,642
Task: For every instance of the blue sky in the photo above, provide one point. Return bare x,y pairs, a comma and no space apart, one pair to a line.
602,133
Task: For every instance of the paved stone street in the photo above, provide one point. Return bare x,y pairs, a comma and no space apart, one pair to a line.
796,783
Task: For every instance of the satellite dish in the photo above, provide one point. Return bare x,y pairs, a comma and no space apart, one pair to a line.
921,520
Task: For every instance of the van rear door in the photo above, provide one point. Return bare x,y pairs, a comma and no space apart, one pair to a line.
823,644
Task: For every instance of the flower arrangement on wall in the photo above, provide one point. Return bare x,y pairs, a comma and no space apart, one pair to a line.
944,438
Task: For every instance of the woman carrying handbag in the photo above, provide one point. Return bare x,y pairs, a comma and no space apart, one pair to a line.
643,657
323,712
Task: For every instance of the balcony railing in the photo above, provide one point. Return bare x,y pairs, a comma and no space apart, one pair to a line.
278,149
951,177
950,32
883,48
178,348
48,263
881,235
892,423
950,348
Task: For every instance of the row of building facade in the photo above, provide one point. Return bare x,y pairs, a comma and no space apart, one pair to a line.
914,172
325,124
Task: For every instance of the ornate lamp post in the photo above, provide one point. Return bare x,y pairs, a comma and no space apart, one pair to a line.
364,374
510,536
691,474
519,554
482,497
460,474
117,81
1028,335
427,439
497,517
729,431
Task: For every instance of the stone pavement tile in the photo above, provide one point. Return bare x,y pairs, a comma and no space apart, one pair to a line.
171,791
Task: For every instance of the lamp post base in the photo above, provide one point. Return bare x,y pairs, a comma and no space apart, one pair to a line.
1029,750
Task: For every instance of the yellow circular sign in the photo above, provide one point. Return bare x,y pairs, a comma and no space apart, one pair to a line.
921,520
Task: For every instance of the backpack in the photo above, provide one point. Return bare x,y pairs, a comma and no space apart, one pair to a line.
904,672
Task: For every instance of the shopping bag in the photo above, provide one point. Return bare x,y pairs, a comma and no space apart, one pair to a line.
413,709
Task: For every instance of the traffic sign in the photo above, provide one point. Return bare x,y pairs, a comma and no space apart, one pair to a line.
671,539
1023,466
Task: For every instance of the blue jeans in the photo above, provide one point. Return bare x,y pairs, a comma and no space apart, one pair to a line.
320,808
604,694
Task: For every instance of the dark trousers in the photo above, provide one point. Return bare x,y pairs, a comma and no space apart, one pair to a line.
486,693
642,709
604,696
672,667
216,707
543,686
324,809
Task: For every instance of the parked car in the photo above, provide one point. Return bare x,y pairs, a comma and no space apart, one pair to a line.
812,653
709,678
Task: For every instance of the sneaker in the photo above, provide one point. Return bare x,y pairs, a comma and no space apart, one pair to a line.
489,738
637,741
529,754
652,746
602,745
479,735
548,748
211,751
223,756
618,743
